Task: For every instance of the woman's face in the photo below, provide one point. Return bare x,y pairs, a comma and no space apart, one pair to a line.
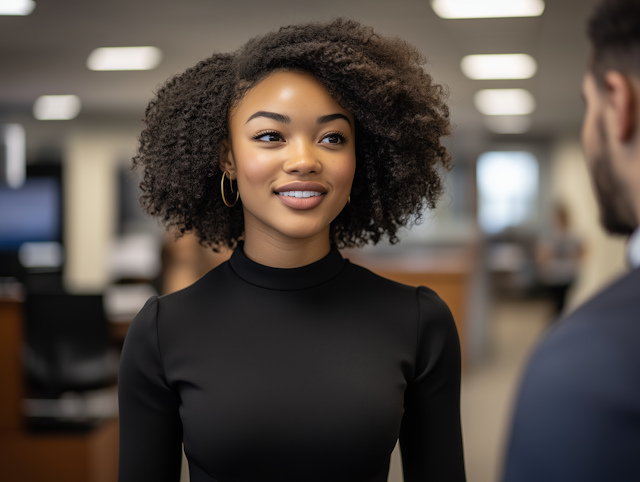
292,152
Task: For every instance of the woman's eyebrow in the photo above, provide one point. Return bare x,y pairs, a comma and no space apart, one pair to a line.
271,115
328,118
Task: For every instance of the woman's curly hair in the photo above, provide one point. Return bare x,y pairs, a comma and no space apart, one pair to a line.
401,115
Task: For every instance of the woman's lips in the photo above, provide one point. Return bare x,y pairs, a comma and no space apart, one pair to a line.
300,199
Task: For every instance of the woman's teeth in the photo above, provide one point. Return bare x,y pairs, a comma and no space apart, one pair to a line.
300,193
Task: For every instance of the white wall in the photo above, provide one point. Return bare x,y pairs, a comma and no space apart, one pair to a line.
91,159
604,258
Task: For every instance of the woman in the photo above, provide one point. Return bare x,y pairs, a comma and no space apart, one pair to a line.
288,363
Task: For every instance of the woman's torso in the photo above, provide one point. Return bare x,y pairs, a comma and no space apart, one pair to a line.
292,374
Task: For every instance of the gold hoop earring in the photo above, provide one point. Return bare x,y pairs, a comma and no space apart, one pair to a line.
349,200
224,199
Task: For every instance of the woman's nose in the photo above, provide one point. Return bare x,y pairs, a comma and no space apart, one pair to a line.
302,159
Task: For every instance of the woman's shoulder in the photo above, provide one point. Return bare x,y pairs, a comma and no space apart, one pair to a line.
424,295
206,287
174,311
170,317
360,275
430,309
426,315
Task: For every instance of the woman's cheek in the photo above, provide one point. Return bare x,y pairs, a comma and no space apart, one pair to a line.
256,169
346,171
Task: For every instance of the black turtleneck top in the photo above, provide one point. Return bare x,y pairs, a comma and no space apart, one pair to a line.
291,375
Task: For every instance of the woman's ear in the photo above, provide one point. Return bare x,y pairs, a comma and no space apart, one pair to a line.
227,161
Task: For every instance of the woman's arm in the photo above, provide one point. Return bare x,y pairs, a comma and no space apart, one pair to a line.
150,426
430,435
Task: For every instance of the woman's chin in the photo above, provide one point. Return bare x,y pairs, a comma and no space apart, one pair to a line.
301,231
283,222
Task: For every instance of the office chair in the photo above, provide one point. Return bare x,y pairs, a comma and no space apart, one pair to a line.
67,344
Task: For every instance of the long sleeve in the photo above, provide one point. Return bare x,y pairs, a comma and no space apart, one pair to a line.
150,426
431,435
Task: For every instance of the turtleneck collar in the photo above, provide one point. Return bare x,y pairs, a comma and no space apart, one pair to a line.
633,249
313,274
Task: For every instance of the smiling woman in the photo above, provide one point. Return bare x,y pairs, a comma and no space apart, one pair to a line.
292,152
288,363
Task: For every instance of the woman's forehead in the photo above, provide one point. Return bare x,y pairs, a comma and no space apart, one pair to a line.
289,93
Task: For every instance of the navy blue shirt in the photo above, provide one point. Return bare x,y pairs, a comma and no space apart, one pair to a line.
578,412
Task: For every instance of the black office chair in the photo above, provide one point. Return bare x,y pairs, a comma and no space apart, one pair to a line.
67,344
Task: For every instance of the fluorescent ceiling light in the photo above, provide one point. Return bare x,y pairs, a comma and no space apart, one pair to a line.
56,107
499,66
15,165
124,58
487,8
508,124
504,101
16,7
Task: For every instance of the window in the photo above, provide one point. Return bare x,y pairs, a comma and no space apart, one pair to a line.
507,189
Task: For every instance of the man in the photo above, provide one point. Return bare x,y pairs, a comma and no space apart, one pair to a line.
578,413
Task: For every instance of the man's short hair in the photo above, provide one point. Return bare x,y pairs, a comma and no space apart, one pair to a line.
614,31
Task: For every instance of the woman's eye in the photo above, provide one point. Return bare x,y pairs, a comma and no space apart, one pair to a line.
333,139
269,137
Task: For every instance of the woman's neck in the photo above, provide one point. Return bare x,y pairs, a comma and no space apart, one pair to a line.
277,251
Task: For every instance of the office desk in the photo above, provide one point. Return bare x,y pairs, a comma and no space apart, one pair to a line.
50,457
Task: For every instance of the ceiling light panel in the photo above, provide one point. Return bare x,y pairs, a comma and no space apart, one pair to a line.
504,102
124,58
487,8
56,107
16,7
499,66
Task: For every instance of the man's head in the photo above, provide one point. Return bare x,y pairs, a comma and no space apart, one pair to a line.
611,127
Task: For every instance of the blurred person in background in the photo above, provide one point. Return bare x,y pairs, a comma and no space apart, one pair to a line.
185,261
558,257
288,362
578,412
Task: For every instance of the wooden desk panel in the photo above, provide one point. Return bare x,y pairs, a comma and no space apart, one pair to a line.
11,364
91,457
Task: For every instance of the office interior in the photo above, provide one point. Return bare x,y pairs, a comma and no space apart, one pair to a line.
78,258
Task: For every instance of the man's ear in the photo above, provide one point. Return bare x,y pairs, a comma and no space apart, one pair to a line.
227,162
621,98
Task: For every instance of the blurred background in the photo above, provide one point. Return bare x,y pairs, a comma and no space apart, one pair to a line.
514,243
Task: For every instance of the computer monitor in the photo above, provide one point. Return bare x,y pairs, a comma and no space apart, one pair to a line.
30,213
32,217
